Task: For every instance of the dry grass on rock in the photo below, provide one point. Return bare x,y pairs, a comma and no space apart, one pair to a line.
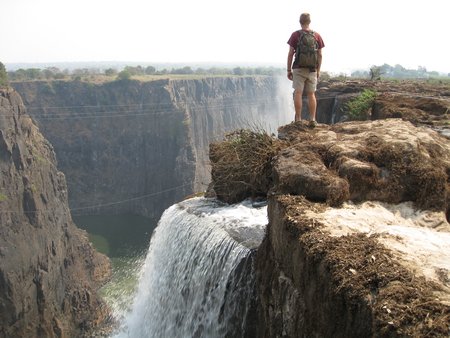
241,164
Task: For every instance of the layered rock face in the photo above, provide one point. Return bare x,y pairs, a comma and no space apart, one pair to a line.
357,240
49,272
368,269
144,144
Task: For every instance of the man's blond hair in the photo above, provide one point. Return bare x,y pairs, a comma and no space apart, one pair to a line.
305,19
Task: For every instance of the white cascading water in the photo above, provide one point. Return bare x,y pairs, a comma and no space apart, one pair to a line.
197,280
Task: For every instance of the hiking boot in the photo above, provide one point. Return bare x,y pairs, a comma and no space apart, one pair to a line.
301,122
312,124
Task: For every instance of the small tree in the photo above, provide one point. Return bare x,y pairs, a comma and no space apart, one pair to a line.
400,71
59,76
47,88
19,74
32,73
3,75
150,70
238,71
358,108
200,71
123,75
133,70
422,71
54,69
47,73
110,71
375,72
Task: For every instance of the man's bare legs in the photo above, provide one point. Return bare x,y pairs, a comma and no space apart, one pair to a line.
312,104
298,105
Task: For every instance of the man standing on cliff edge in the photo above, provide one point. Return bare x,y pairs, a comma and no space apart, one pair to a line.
305,70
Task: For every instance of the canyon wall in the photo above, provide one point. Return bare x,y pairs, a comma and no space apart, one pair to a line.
131,146
49,272
139,147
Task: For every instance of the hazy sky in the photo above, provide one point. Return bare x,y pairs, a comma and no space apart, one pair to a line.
356,34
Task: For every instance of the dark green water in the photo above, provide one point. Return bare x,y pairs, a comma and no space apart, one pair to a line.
125,235
124,239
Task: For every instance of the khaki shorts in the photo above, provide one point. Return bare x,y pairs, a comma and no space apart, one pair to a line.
303,78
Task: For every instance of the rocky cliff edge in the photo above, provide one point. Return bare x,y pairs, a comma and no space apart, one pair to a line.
49,272
358,242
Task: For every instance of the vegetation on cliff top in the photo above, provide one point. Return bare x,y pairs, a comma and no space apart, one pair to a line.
3,75
397,71
240,164
359,107
141,73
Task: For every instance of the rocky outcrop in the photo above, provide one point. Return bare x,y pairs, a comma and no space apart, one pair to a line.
49,272
416,99
315,280
323,274
130,146
386,160
357,240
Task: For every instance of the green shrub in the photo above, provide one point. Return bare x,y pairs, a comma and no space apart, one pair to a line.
47,88
3,75
123,75
59,76
110,72
358,108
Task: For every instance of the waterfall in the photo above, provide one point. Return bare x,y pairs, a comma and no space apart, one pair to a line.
334,110
197,280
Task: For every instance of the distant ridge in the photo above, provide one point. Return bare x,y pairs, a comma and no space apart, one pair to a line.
119,65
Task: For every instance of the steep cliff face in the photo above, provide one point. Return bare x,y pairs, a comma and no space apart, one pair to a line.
49,272
144,144
373,260
357,243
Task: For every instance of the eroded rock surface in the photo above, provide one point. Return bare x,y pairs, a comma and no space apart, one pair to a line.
337,262
386,160
49,272
358,242
423,102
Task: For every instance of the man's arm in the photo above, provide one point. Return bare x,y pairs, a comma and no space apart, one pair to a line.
289,62
319,61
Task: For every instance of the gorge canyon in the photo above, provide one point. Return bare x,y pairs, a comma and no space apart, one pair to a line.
139,147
